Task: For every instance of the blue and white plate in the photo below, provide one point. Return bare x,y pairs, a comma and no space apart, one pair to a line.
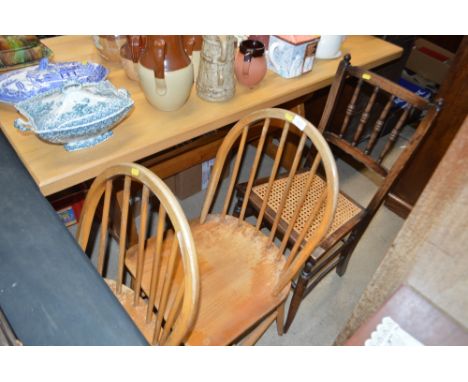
22,84
77,116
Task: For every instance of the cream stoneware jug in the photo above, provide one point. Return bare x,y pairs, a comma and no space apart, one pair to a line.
215,81
165,72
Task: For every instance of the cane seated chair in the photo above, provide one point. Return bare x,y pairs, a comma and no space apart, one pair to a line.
351,219
166,308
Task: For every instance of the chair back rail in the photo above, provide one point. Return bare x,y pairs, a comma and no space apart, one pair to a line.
349,141
172,299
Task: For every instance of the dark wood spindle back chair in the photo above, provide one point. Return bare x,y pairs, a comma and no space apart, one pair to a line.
351,219
164,298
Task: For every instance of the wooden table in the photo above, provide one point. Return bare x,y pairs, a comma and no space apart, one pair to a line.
147,131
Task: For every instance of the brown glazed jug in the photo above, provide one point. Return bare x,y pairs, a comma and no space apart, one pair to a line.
165,72
130,54
215,81
250,64
192,46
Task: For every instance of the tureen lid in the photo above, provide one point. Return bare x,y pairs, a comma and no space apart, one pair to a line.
73,105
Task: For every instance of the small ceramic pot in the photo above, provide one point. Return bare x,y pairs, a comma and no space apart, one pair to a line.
250,65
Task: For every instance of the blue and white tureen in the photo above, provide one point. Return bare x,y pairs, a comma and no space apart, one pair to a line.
78,115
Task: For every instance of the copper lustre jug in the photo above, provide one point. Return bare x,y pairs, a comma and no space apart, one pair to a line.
215,81
165,72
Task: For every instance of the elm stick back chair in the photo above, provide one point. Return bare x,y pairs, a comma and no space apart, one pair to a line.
245,278
351,219
166,308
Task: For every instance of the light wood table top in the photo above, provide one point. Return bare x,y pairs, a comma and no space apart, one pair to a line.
147,131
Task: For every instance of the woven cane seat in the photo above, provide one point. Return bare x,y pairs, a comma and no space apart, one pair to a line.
346,209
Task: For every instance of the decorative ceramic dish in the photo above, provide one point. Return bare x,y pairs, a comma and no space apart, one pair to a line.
77,116
21,84
19,51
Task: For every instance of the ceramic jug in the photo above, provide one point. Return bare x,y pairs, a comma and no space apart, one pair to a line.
292,55
130,54
165,72
250,64
192,46
109,46
215,81
329,47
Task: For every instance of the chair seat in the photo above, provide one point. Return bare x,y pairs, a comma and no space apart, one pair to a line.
347,212
233,259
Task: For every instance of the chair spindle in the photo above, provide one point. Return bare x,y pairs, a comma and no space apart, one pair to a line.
235,171
253,172
297,210
304,231
123,232
378,126
104,227
350,109
274,170
284,197
166,288
173,310
365,116
156,263
141,241
394,134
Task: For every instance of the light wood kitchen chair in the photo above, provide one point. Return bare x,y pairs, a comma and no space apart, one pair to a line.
351,219
245,277
166,307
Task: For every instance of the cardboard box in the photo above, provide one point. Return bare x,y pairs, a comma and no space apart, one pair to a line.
171,183
190,181
430,60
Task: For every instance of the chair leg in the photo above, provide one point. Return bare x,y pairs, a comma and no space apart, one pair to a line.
261,328
238,207
298,294
280,319
346,253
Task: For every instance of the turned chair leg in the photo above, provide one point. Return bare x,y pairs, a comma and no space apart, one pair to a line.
345,255
298,294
